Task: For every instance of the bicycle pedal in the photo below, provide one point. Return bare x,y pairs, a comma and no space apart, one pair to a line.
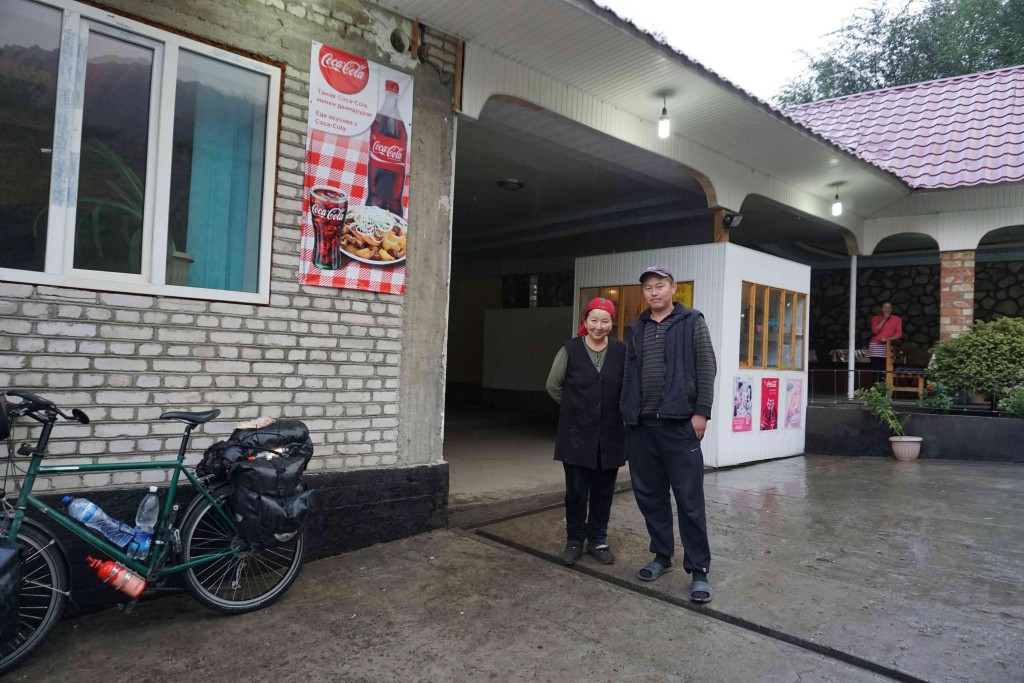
128,608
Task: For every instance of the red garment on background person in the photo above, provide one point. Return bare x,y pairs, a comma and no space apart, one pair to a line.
890,329
597,303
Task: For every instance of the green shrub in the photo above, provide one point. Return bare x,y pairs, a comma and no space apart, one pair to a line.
987,359
936,397
1014,402
878,403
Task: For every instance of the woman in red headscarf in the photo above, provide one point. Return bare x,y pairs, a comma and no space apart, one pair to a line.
586,379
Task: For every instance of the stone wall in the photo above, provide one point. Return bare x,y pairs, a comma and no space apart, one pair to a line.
364,370
999,290
913,291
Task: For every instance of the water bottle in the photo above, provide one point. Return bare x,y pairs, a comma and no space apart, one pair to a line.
145,523
90,514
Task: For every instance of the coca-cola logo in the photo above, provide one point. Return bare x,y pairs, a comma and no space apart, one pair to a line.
346,73
389,152
334,213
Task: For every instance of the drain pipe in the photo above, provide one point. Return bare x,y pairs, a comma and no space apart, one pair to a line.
851,357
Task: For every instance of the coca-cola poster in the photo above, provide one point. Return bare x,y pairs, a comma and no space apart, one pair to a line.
769,403
355,198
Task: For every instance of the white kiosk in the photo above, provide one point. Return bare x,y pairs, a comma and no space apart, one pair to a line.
756,306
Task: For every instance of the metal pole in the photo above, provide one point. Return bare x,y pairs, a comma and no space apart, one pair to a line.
851,357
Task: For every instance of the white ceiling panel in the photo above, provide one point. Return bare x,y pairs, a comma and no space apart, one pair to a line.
579,44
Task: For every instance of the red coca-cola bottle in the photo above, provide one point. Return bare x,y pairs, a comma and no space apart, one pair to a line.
388,148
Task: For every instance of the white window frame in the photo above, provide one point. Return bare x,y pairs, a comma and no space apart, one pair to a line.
78,22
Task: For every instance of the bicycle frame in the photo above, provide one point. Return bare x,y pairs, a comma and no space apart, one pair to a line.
147,569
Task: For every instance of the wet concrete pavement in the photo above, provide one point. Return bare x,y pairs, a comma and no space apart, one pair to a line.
826,569
913,568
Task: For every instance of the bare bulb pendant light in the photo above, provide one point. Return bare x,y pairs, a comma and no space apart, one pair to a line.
664,124
837,206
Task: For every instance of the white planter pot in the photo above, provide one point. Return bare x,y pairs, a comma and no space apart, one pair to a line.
906,447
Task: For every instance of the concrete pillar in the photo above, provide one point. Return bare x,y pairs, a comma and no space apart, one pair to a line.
956,292
851,352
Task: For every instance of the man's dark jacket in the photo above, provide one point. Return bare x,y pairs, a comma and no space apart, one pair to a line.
679,391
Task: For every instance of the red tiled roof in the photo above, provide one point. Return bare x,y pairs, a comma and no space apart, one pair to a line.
953,132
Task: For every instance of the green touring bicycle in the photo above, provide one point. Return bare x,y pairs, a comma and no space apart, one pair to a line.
202,544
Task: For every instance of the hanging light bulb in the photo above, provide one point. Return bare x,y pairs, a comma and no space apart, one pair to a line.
664,124
837,206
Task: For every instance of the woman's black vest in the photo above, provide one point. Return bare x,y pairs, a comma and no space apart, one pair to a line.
589,421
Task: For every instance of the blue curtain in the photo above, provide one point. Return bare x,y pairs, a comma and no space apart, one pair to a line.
220,238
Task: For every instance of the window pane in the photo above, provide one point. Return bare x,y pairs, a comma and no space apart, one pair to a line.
774,335
112,166
798,322
745,323
29,52
758,360
220,124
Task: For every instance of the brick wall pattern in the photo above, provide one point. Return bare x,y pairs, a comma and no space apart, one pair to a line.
329,357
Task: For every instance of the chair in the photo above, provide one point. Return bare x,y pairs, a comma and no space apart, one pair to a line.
904,371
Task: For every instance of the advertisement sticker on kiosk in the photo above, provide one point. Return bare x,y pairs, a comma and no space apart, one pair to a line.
742,404
794,404
769,403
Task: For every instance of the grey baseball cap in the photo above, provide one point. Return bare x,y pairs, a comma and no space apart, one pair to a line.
660,271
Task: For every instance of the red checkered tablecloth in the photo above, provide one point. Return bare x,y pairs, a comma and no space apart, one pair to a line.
341,162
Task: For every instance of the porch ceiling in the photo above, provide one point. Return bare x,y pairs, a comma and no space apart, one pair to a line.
585,46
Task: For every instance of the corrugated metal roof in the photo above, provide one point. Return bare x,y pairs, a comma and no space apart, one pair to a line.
952,132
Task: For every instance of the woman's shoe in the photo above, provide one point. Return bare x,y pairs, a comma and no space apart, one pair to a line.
572,553
601,553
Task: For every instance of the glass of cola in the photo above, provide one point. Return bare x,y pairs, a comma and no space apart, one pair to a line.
328,207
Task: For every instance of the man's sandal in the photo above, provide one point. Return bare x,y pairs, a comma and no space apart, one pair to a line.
700,591
652,571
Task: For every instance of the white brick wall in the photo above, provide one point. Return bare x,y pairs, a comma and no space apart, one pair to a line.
329,357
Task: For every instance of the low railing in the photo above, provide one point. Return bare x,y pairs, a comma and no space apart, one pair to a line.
830,386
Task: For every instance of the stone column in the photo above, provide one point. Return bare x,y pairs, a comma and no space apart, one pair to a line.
956,292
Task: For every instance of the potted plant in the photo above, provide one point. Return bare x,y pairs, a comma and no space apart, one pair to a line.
117,211
878,402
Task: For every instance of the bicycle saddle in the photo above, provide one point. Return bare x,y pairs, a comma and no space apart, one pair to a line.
194,418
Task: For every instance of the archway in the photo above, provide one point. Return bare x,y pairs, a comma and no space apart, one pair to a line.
534,191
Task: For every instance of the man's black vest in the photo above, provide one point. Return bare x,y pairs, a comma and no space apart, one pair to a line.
589,417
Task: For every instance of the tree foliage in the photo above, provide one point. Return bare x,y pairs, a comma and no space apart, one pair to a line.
881,47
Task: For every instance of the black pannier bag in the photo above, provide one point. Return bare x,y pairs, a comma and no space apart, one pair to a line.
268,499
10,587
5,420
289,436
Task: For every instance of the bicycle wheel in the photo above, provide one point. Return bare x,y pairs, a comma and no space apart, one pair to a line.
41,598
248,580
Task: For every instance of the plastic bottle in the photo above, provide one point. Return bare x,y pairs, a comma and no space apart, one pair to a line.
115,575
145,523
90,514
388,150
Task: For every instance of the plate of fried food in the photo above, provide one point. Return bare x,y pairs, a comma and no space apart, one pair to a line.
374,236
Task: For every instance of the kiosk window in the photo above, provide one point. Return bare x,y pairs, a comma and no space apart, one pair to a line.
772,324
629,301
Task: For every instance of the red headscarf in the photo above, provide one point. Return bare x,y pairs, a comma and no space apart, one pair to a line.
597,303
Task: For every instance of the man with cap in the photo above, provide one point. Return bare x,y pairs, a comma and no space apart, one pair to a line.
667,391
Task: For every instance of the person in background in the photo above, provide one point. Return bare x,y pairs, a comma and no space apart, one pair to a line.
667,391
884,327
585,379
